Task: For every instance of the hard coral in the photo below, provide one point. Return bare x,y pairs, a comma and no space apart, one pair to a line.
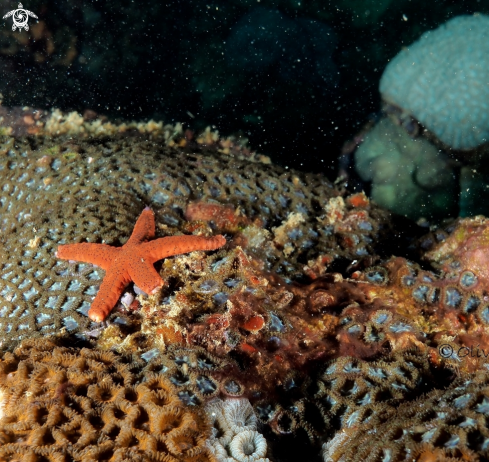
235,436
408,176
275,336
222,217
435,78
345,393
441,425
267,338
436,310
84,405
45,182
434,97
196,374
463,254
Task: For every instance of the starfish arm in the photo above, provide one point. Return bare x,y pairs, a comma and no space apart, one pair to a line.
144,228
143,274
176,245
98,254
110,290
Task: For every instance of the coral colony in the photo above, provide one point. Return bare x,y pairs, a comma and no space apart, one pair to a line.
436,124
173,296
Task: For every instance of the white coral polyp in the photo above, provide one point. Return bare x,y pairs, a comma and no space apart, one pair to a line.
234,436
441,80
248,446
239,414
218,450
221,430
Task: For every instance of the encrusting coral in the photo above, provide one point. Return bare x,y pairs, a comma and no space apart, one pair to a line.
133,261
84,405
197,375
462,253
388,333
275,336
303,321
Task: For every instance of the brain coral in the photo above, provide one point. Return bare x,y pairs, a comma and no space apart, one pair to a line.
84,405
441,80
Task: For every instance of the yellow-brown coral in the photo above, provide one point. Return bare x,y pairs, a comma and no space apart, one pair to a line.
84,405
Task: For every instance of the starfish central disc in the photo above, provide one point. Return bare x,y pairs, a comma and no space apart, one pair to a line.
133,262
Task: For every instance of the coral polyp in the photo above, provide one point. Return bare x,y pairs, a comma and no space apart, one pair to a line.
81,404
319,357
443,425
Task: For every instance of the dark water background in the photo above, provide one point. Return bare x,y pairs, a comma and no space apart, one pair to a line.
298,78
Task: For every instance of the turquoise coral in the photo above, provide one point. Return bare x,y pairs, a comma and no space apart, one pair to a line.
409,176
436,94
441,81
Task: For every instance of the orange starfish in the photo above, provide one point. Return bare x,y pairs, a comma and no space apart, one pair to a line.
133,261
